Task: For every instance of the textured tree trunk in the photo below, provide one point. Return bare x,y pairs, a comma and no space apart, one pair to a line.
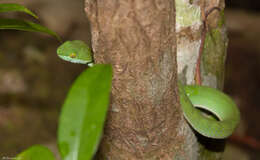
138,38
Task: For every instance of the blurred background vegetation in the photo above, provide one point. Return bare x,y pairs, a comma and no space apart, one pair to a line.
34,81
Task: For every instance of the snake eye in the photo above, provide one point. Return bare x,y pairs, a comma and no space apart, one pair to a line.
72,55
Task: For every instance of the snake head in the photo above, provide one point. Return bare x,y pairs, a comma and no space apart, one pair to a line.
75,51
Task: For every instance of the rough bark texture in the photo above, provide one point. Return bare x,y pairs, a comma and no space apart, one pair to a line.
138,39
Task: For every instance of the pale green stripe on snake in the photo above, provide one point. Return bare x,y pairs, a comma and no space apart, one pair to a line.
210,99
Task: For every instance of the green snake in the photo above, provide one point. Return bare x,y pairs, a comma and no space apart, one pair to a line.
224,116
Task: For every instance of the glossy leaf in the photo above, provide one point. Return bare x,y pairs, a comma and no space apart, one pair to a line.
25,26
10,7
36,152
83,113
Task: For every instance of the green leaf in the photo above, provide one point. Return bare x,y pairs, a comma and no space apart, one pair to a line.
36,152
10,7
25,26
83,113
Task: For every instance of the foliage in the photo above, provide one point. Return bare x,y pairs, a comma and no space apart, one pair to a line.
84,111
23,25
36,152
82,117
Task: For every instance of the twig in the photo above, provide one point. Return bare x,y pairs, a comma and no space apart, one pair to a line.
246,141
203,37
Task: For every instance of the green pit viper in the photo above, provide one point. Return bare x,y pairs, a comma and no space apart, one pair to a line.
208,99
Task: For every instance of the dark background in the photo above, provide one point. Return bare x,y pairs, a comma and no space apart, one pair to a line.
250,5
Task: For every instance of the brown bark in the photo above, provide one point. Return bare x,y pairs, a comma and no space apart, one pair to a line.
138,39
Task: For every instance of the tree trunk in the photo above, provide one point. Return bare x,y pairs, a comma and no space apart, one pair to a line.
189,26
138,38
